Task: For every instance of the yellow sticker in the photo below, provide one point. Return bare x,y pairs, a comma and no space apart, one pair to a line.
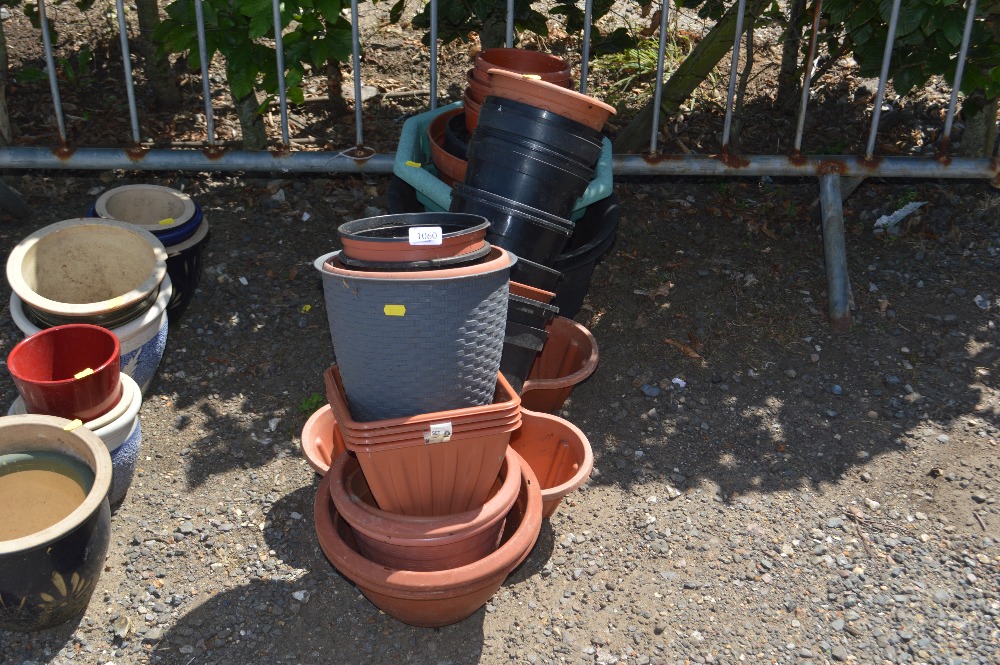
534,77
415,165
306,308
82,373
394,310
167,221
70,426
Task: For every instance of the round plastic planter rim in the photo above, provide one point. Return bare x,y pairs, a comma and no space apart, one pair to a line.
19,286
498,259
90,504
101,205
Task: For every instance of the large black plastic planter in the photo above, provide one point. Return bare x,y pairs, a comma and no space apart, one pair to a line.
520,348
549,129
594,236
527,232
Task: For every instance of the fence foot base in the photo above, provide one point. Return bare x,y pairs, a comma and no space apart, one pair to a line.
838,284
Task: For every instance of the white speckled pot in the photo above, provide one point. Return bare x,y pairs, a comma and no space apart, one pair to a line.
142,339
122,436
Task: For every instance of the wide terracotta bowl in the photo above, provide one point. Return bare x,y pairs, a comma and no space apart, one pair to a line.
71,371
321,440
558,453
544,95
423,543
569,357
545,66
431,598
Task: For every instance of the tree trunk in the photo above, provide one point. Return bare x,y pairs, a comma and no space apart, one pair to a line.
787,96
161,78
5,134
251,124
494,31
695,68
736,129
335,88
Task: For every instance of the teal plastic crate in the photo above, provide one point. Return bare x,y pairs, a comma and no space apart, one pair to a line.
413,165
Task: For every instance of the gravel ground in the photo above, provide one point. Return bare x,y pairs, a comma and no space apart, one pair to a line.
789,495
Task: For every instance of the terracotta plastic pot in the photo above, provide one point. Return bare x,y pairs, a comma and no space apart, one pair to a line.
471,108
321,440
70,371
478,90
451,168
568,358
545,66
541,94
387,238
86,270
423,543
439,332
143,339
558,453
48,576
431,598
504,409
528,291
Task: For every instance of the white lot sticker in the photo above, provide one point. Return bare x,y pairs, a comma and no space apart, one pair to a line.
438,433
425,235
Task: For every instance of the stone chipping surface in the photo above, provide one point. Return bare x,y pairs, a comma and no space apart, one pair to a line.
764,490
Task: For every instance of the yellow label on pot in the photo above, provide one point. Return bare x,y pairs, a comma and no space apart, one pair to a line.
70,426
415,165
394,310
167,221
82,373
533,77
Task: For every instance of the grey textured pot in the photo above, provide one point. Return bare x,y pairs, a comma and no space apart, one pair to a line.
420,342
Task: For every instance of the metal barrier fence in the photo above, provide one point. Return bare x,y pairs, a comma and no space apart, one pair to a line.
828,169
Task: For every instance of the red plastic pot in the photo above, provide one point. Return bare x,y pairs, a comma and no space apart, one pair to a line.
321,440
72,371
433,598
558,453
423,543
569,357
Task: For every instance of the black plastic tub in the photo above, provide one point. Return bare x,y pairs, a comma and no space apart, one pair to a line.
520,348
514,170
527,232
543,127
594,236
529,312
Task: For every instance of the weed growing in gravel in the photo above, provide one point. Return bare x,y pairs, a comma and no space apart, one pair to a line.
311,403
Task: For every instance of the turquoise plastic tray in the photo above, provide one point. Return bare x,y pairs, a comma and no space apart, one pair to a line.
413,166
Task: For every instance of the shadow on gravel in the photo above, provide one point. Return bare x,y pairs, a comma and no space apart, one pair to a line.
54,640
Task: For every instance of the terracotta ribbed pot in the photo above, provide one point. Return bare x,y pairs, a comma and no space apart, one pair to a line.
558,453
321,440
569,357
434,598
544,95
422,543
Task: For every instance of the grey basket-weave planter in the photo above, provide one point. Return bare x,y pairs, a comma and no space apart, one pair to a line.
421,342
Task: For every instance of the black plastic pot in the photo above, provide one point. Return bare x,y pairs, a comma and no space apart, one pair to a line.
520,348
594,236
529,312
554,131
514,170
529,233
536,275
456,136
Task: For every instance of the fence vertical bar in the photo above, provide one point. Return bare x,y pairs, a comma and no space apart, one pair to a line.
127,64
959,71
886,57
588,18
731,94
50,63
206,90
509,39
279,50
838,284
807,75
359,137
658,92
434,54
